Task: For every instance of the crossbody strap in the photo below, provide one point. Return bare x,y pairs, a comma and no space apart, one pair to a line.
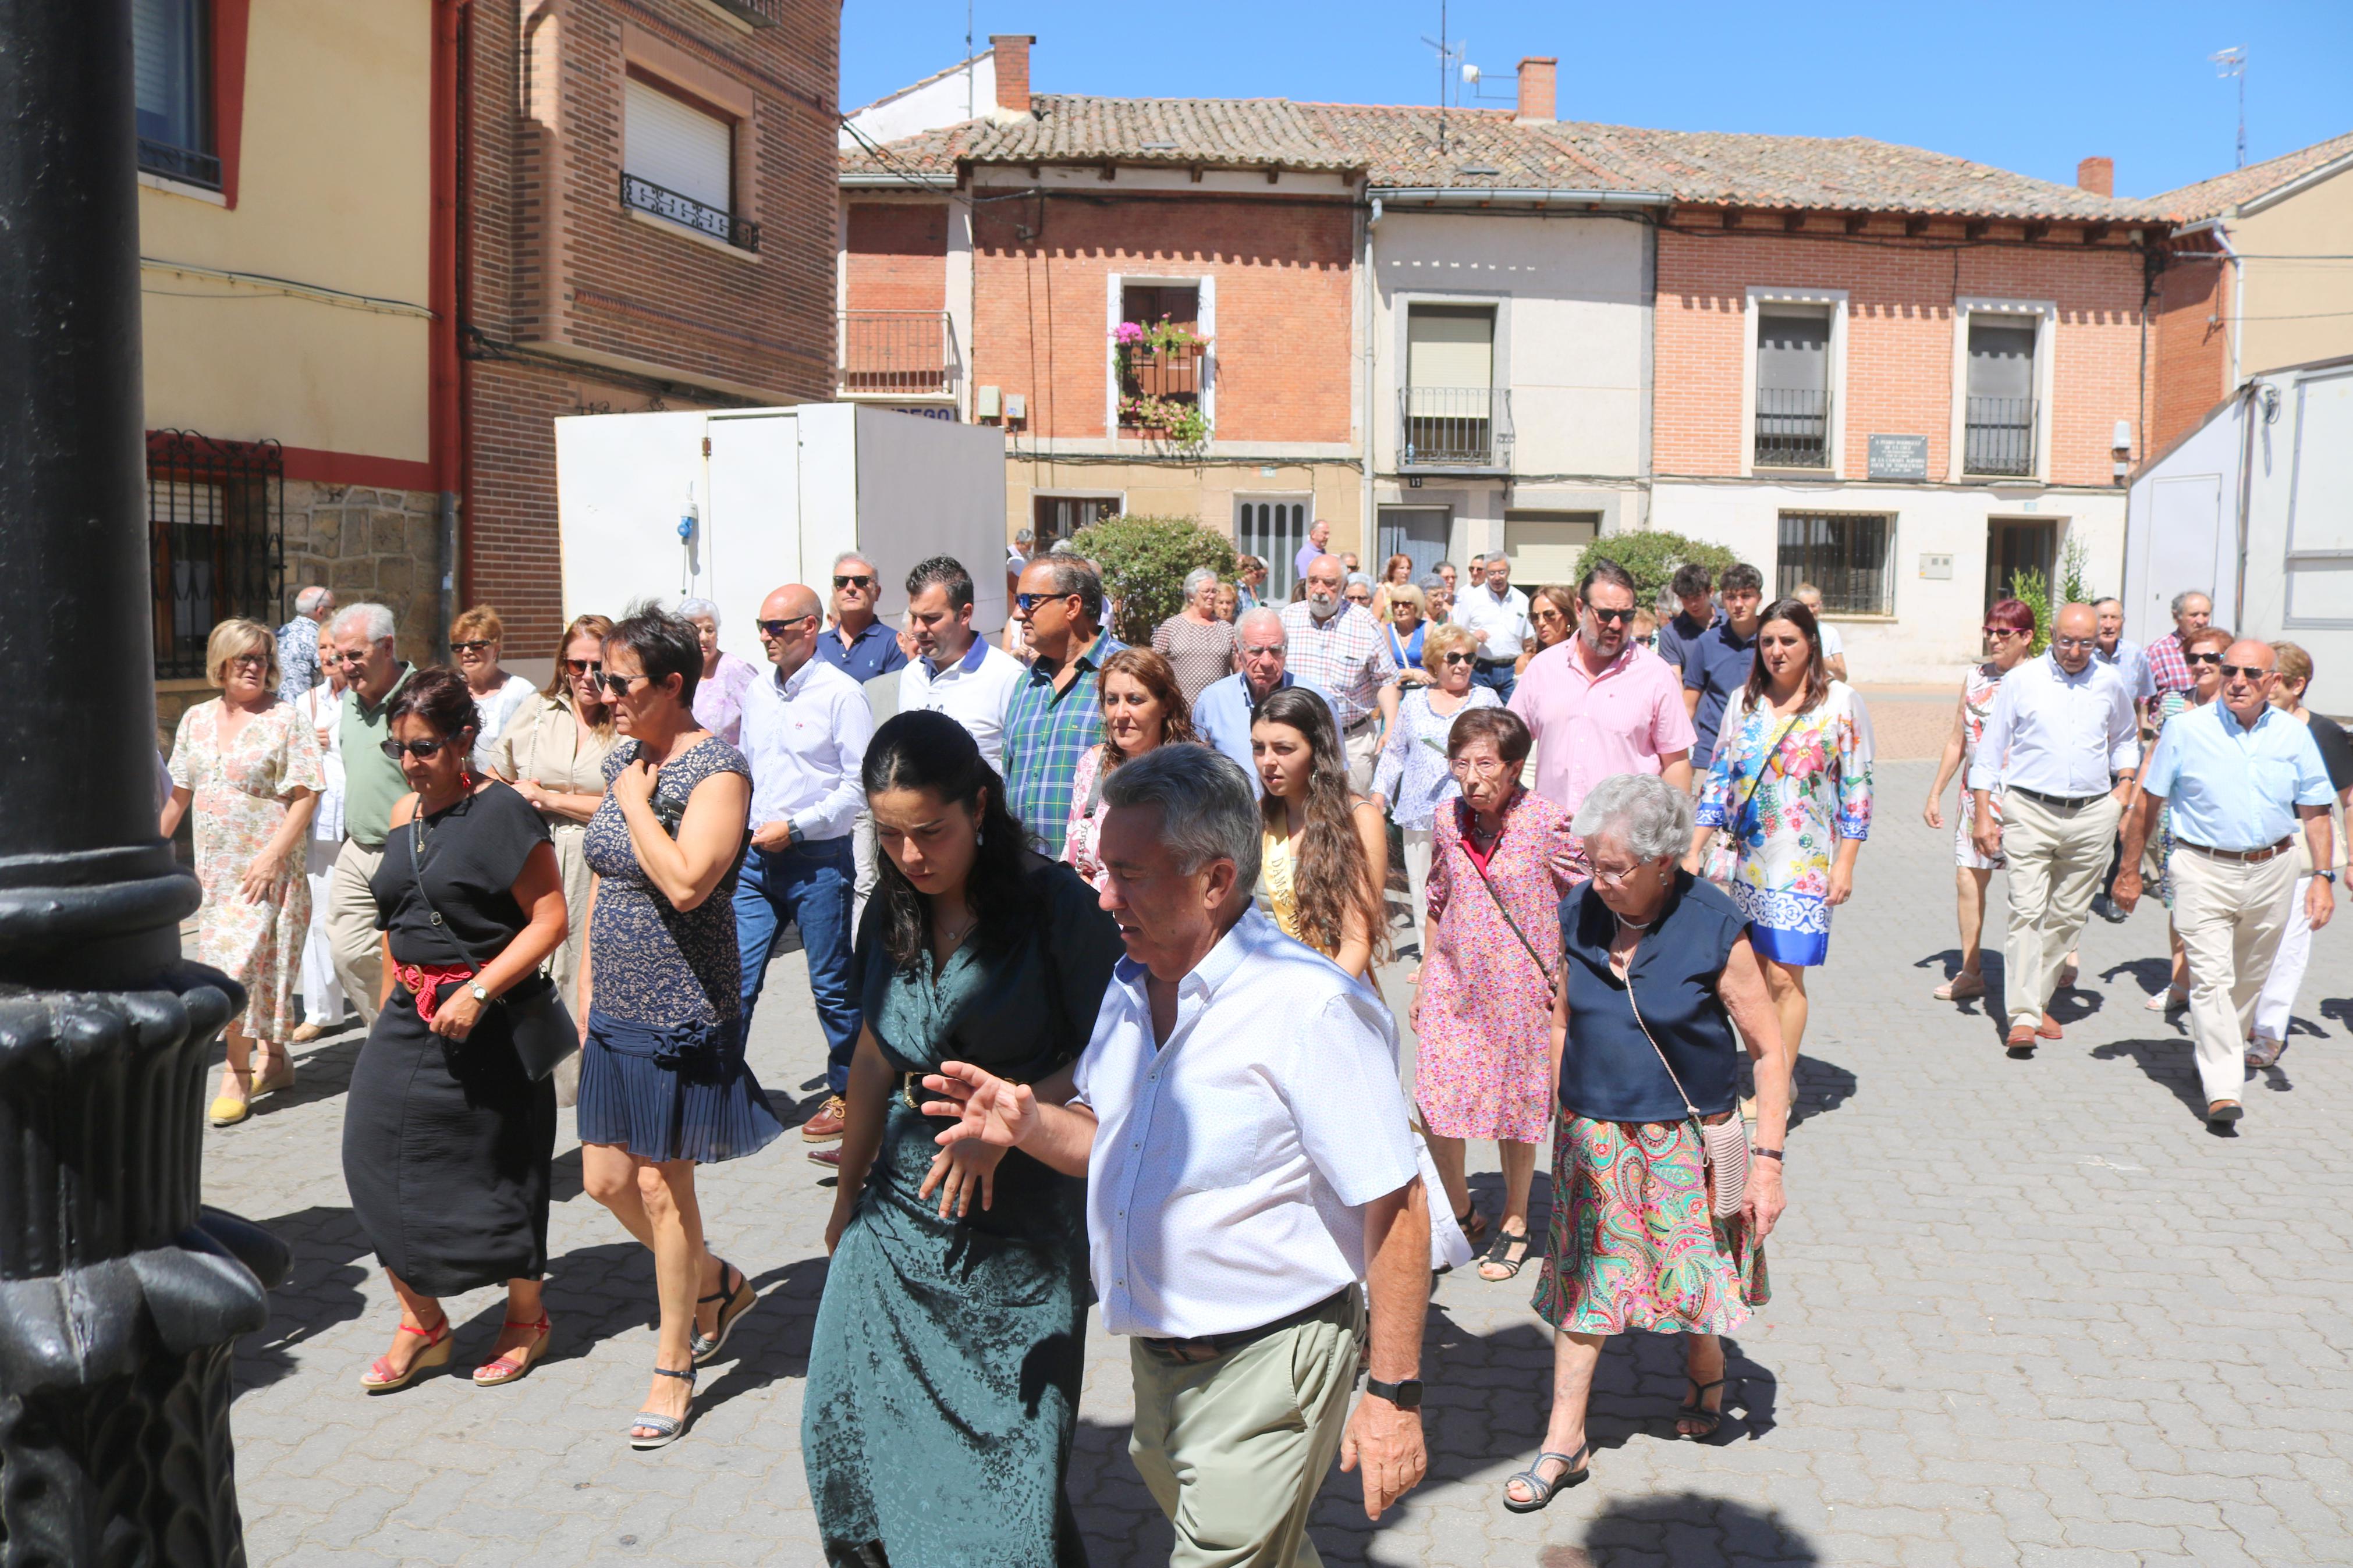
1505,910
1693,1111
1771,762
416,869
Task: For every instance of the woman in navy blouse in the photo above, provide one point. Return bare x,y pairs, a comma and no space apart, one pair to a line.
1656,968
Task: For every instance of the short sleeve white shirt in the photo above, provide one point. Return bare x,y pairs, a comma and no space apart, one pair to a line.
1504,620
974,691
1232,1164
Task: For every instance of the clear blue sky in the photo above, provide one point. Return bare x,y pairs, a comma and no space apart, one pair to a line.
2027,84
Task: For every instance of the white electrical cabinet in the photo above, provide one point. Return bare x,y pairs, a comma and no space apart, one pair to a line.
731,505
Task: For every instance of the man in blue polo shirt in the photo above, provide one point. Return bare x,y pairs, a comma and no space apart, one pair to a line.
857,644
2238,773
1716,662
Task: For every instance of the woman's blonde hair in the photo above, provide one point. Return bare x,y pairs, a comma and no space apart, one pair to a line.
234,637
1439,640
481,624
1406,594
559,685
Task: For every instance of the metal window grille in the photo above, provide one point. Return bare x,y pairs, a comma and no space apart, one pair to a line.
1793,428
1997,436
1843,553
897,353
217,539
647,196
1454,426
1274,531
182,164
1053,518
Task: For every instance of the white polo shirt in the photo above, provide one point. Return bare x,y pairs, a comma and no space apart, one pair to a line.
1233,1164
974,691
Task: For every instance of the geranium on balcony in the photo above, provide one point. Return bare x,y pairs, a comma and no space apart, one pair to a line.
1177,422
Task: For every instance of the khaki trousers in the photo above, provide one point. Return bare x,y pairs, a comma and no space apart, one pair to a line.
2230,916
1235,1449
1418,843
2057,858
352,935
1363,745
570,839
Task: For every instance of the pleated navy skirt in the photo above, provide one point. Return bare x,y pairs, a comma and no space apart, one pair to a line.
672,1091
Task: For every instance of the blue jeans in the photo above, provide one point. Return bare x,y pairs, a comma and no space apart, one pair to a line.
810,885
1499,678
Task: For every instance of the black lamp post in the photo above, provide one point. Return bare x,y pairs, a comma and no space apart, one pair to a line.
120,1296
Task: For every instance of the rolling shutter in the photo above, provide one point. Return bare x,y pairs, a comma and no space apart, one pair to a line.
678,147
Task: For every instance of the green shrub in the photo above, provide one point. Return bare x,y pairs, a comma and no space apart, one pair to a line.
1144,562
1651,557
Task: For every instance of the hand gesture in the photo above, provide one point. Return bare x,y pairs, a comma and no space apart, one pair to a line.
260,879
986,1107
455,1018
956,1170
1388,1441
1761,1202
633,785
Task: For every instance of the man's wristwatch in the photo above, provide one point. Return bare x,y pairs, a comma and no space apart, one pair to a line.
2326,876
1406,1396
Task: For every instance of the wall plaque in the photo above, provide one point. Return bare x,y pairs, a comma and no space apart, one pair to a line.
1899,456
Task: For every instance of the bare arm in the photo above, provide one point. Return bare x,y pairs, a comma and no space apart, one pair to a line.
539,890
1384,1439
869,1098
1742,986
174,809
687,868
1355,954
1933,814
2140,821
1675,767
580,984
2319,836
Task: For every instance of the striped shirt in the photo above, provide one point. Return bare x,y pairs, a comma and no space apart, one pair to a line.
1045,733
1347,656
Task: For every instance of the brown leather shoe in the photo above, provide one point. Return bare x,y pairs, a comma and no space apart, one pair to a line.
2022,1039
829,1158
2050,1030
825,1125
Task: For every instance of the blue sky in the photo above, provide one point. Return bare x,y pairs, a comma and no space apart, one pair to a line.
2031,87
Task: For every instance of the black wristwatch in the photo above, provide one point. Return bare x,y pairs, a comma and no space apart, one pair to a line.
1406,1396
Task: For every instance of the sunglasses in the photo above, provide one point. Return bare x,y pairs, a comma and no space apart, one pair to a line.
479,645
584,666
419,749
1029,602
854,581
2234,672
2201,658
778,628
360,658
1454,659
2002,633
618,684
1614,617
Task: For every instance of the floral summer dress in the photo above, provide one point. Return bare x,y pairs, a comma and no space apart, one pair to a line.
1788,815
239,800
1978,692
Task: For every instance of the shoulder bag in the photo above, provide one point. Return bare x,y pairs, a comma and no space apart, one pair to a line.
1724,849
537,1020
1725,1144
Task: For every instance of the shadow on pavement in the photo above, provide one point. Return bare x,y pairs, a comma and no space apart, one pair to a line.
2168,1063
320,1073
1822,1088
1689,1530
331,1261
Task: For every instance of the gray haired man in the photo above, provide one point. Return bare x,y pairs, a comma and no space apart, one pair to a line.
361,639
298,642
1250,1169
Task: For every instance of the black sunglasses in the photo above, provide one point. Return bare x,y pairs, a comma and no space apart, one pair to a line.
2201,658
1455,657
853,581
392,749
479,645
618,684
1029,602
778,628
1614,617
2232,671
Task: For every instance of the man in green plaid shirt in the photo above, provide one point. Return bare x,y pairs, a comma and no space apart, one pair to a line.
1055,714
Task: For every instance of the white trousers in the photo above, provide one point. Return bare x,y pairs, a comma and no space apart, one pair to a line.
2230,916
2057,858
1418,841
2274,1007
323,994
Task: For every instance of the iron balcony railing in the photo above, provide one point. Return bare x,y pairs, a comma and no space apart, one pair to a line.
1793,428
1997,436
183,164
1454,426
647,196
216,538
895,353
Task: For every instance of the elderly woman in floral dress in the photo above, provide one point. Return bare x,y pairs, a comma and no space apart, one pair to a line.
1501,858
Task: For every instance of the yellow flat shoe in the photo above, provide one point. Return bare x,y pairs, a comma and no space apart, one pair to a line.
228,1110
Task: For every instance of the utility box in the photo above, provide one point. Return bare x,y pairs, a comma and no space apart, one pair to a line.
731,505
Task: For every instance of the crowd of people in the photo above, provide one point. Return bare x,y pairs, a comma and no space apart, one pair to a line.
1091,932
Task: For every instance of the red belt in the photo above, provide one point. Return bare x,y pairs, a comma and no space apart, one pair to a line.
424,982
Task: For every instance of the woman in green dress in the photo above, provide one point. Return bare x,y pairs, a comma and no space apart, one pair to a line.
943,1374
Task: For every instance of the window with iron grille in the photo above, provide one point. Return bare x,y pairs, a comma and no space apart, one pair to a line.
1793,388
1845,554
1998,426
1055,518
172,66
678,162
217,539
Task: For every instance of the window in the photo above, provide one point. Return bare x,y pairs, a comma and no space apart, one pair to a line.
216,534
1997,436
1547,546
1158,386
1417,533
1450,406
1844,554
678,162
1055,518
1793,388
1274,530
172,65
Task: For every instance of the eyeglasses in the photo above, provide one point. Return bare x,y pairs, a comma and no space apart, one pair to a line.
1614,879
419,749
2002,633
1614,617
2252,672
2087,642
1029,602
778,628
865,581
248,661
2201,658
584,666
477,645
347,657
618,684
1485,767
1268,651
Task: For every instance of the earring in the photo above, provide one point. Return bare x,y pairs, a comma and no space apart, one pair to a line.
1664,877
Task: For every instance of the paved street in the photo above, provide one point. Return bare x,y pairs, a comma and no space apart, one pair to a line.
2024,1313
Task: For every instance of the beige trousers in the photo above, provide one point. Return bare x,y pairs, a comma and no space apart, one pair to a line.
570,839
351,936
2057,859
1235,1449
2230,916
1363,745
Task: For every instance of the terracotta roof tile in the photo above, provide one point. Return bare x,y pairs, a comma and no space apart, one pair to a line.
2216,197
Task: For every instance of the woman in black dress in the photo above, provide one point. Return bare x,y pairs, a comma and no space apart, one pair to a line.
446,1139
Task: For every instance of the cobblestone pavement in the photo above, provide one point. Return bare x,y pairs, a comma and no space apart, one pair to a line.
2024,1313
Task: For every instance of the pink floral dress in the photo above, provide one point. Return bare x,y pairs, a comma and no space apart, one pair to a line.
238,801
1484,1069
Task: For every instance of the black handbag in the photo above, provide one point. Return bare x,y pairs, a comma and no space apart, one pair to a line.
538,1022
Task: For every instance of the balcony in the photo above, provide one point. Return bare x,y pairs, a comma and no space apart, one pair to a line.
1998,437
1793,428
183,164
895,353
725,226
1454,427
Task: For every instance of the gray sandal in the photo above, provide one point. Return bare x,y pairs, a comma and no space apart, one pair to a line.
1579,1468
667,1428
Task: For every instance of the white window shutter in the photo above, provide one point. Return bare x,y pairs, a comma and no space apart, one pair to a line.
678,147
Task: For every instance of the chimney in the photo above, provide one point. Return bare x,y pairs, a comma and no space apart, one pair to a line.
1538,74
2097,175
1011,55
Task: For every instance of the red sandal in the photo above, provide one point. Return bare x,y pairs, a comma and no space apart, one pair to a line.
502,1370
380,1378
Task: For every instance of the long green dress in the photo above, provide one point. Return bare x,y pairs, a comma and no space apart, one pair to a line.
944,1372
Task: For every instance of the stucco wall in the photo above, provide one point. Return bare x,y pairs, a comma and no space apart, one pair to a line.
2296,311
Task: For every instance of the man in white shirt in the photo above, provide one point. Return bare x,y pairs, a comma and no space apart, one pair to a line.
806,725
1495,613
955,672
2063,746
1249,1163
1833,644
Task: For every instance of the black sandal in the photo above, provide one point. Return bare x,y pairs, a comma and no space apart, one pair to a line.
1576,1474
1693,1410
1503,1244
739,1300
1473,1224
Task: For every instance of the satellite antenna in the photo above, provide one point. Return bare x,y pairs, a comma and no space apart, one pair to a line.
2229,63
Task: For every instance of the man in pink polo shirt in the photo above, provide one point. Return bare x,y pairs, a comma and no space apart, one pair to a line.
1601,704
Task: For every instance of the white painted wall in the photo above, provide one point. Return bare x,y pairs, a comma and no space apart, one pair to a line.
957,94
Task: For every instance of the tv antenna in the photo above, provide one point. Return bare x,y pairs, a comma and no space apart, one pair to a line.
2229,63
1450,57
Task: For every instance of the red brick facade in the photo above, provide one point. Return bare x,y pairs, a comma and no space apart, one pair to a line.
897,257
573,302
2190,343
1901,347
